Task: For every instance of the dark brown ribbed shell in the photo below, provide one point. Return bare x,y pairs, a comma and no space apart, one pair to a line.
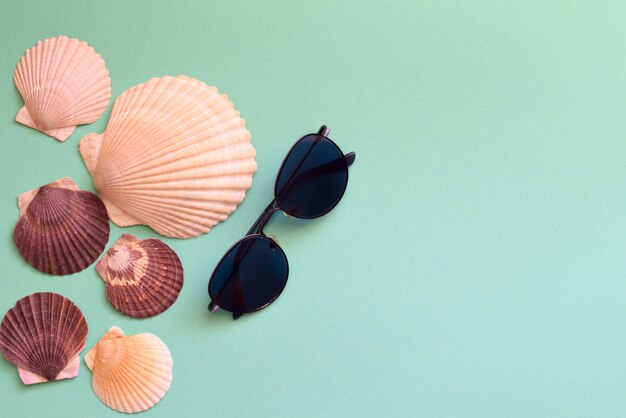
42,334
143,278
61,230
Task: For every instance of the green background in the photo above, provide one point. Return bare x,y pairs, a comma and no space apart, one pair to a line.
476,264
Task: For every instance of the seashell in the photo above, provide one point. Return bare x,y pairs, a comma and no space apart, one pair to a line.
64,83
61,229
130,373
175,156
43,335
143,278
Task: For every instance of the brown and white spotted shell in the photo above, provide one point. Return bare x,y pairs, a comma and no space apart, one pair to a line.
143,278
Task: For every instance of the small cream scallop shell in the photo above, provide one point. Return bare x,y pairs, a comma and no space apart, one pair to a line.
130,373
43,335
175,156
143,277
64,83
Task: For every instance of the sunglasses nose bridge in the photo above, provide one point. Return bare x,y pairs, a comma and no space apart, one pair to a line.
257,227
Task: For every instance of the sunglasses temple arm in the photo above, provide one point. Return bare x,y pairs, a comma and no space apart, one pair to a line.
350,157
324,131
257,228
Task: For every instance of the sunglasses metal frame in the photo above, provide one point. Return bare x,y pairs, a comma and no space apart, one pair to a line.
256,231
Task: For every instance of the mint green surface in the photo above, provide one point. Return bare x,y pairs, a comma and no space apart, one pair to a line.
475,267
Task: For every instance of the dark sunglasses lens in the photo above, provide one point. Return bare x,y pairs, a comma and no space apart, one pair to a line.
250,276
312,179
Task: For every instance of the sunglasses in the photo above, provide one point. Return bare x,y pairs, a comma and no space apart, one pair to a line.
310,183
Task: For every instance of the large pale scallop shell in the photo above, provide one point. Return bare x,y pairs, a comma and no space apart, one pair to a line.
130,373
175,156
61,230
143,278
43,335
64,83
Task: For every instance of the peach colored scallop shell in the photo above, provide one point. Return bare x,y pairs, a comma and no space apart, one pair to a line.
130,373
175,156
64,83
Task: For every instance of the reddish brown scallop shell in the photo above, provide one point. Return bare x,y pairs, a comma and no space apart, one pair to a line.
61,230
43,335
143,278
